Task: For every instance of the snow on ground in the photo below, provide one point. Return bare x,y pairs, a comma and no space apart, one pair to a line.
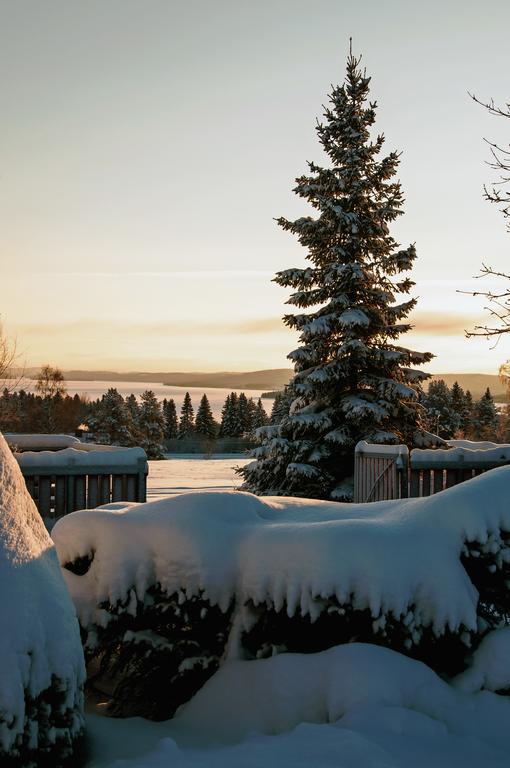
182,473
354,706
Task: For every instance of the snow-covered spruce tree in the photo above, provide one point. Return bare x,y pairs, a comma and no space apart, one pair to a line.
111,421
352,380
151,425
205,424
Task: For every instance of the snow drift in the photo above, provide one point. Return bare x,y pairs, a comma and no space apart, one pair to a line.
426,577
41,658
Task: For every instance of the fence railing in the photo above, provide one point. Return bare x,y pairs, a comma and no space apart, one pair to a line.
392,472
62,481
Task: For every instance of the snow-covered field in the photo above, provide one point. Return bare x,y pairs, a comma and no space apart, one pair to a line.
183,473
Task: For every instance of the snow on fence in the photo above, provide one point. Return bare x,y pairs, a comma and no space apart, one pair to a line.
62,481
383,472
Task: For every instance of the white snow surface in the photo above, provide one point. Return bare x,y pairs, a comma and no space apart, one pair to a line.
477,445
490,665
353,706
459,453
390,555
68,457
39,634
35,442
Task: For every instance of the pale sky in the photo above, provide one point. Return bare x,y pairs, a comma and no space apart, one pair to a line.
146,148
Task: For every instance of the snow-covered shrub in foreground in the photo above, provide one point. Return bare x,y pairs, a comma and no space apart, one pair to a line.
41,658
422,576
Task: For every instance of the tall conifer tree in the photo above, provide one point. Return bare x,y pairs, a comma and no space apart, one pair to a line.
187,420
204,423
151,425
171,423
352,380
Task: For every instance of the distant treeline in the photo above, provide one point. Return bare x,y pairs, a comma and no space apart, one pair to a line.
115,420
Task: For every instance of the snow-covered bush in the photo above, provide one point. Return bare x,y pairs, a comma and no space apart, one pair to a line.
41,658
239,575
158,650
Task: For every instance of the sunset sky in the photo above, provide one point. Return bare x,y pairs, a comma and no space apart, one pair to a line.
147,146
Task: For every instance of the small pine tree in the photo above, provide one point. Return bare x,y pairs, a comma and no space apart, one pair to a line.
170,415
485,420
442,414
187,420
151,425
258,415
133,407
230,424
352,380
462,407
470,412
281,406
205,424
244,414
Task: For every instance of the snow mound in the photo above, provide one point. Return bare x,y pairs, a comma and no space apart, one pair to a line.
34,442
68,457
354,706
272,696
41,658
490,665
400,557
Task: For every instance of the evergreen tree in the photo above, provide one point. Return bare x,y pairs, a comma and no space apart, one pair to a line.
187,420
170,415
462,407
281,406
133,408
151,425
470,412
244,414
110,420
485,419
441,415
258,414
230,424
352,380
205,424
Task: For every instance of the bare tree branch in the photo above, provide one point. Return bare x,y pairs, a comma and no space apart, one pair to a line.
499,193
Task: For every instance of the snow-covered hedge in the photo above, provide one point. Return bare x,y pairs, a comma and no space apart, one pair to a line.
426,577
41,659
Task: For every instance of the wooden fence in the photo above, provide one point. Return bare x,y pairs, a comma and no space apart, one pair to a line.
391,472
83,480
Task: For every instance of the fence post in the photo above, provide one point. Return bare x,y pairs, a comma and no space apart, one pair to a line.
380,472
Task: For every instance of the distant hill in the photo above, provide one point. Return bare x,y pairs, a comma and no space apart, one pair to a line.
477,383
274,378
271,379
